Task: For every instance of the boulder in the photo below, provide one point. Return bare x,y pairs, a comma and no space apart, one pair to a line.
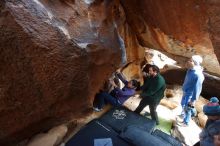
211,83
169,103
202,119
172,96
52,138
188,135
200,103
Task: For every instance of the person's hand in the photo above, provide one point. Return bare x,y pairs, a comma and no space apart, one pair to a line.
113,83
144,74
192,103
118,71
217,140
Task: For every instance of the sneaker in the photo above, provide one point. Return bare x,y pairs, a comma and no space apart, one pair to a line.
179,118
182,124
97,109
146,114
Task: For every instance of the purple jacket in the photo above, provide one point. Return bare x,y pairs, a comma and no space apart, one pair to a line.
124,93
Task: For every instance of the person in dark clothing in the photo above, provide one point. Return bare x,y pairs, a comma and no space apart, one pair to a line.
117,96
146,68
152,92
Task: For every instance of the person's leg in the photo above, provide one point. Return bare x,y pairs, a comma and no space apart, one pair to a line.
188,116
141,105
194,112
184,103
100,100
95,101
184,100
113,93
110,99
153,113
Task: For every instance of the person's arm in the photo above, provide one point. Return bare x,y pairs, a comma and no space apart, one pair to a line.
112,82
120,92
189,85
119,75
197,90
146,83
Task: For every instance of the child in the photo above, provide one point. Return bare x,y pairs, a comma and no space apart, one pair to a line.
212,127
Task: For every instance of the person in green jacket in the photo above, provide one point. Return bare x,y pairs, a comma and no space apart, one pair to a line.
152,92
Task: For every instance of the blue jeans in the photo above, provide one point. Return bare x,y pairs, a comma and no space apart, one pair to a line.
104,98
189,112
185,99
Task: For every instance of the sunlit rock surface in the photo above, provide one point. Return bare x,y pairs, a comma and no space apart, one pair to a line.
51,138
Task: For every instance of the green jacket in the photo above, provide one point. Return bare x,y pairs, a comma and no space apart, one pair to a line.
153,89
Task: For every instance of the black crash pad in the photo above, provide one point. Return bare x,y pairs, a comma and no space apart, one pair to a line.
118,118
166,137
95,130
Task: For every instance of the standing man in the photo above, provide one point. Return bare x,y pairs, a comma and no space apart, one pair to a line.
192,87
152,92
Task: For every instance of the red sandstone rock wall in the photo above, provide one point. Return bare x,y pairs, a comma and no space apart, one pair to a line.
180,28
54,55
214,24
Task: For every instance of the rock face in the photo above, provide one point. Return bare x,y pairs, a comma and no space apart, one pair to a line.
51,138
53,57
210,85
214,25
180,28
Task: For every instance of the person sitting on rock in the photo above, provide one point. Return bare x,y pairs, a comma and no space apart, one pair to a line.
212,127
117,96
